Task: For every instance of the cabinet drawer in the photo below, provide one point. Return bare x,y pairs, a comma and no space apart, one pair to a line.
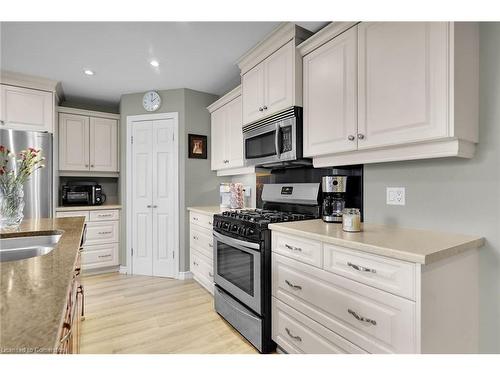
305,250
96,256
376,321
101,232
201,219
394,276
104,215
296,333
74,214
201,239
202,270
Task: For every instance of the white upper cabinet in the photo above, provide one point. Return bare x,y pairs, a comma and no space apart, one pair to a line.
417,92
278,82
271,74
87,143
73,142
234,133
253,95
330,86
403,82
26,109
103,144
218,128
227,133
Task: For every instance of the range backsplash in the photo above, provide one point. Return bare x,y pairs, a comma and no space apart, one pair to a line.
354,194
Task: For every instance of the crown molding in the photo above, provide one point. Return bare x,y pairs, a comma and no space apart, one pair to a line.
323,36
230,96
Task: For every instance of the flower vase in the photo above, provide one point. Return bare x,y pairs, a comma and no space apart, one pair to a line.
11,206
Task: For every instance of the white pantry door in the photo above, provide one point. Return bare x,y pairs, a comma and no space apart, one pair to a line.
154,180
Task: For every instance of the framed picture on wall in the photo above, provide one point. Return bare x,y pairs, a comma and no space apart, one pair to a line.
197,146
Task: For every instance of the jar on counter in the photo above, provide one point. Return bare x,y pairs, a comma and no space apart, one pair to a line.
351,220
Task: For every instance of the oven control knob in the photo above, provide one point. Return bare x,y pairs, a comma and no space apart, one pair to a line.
250,232
234,228
225,225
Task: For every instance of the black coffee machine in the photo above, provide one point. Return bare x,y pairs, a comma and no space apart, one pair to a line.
334,190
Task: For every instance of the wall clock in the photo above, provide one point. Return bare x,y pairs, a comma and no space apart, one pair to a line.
151,101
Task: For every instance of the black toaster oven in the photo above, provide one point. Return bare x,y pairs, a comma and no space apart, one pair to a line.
82,194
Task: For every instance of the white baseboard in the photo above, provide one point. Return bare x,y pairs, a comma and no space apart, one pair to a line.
123,269
185,275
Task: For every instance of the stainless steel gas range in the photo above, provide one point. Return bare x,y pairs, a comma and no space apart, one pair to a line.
242,257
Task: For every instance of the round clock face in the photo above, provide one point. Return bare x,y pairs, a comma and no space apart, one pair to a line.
151,101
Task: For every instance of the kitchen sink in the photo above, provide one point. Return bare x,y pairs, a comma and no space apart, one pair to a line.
18,248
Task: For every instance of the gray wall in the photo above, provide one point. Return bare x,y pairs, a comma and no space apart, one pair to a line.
198,185
456,195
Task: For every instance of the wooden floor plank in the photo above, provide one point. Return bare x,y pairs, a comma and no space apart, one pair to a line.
142,314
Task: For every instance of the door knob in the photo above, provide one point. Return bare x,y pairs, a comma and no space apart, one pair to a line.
351,138
361,136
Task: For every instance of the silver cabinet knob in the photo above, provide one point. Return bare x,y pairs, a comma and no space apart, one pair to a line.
86,165
264,108
2,122
91,165
361,136
351,138
148,206
261,109
155,206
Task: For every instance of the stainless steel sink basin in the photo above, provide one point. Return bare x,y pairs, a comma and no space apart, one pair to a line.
18,248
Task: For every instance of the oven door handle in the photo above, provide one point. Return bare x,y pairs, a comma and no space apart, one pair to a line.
277,140
234,241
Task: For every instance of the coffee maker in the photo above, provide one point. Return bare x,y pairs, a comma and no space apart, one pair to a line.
334,189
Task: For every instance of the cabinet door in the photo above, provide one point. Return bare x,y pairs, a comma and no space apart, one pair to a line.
252,89
103,145
278,79
234,132
330,96
403,82
26,109
218,139
73,142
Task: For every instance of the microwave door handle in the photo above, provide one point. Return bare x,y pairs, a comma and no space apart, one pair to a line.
277,140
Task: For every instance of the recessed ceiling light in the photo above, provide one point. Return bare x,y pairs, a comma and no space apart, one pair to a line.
88,72
155,63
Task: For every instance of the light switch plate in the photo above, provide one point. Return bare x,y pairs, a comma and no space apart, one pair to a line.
396,196
248,191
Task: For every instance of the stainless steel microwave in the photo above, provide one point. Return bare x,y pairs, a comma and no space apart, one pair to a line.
275,141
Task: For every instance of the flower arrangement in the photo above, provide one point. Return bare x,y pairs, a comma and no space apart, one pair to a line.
13,174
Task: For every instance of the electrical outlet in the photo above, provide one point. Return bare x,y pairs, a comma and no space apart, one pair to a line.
396,196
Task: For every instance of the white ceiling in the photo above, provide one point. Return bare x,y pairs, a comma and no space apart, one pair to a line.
195,55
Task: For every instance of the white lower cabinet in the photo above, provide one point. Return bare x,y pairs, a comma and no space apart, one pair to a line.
201,249
102,238
332,299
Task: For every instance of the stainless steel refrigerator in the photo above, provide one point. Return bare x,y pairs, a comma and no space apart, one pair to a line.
38,189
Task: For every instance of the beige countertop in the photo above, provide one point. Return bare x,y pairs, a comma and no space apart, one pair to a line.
211,210
33,291
89,208
413,245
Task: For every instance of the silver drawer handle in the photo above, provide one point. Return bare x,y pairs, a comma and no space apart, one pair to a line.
104,232
195,263
209,223
290,247
361,268
195,218
296,287
210,245
104,215
195,238
361,318
298,338
104,256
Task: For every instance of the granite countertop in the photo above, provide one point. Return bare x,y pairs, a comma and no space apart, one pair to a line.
89,208
33,291
413,245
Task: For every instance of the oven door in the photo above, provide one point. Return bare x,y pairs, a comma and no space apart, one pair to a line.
271,143
237,267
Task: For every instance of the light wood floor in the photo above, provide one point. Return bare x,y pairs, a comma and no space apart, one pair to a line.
141,314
